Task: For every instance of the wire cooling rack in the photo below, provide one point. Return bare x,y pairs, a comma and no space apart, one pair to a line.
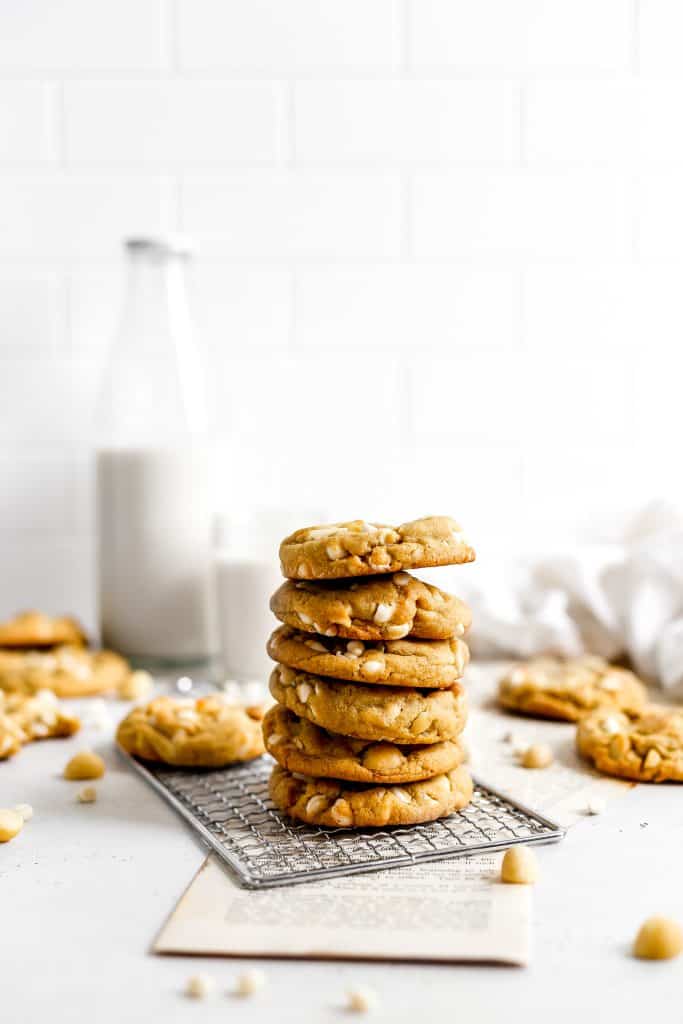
232,812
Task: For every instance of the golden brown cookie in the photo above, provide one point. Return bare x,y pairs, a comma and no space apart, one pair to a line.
12,736
39,717
379,608
567,688
393,713
209,732
647,747
301,746
340,550
68,671
438,663
354,805
34,629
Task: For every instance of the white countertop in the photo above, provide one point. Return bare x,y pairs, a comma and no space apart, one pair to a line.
84,889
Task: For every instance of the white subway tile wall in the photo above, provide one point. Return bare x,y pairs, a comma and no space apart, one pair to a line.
439,256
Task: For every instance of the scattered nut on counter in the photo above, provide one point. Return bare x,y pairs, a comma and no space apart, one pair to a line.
199,986
84,765
519,867
138,684
659,938
362,1000
11,824
250,982
25,810
537,756
87,795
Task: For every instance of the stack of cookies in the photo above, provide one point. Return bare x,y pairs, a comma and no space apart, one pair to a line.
370,704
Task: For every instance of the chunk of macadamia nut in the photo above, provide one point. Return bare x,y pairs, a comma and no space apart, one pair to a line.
199,986
519,867
11,824
659,938
250,982
84,765
539,755
362,1000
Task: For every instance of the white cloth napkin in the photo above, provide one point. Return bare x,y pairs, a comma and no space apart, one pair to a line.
624,598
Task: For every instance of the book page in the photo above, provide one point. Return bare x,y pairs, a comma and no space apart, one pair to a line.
464,914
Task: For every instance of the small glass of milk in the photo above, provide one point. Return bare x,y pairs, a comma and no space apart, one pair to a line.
246,575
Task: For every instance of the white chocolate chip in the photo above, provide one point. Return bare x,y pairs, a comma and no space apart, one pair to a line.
398,630
316,804
362,1000
355,648
320,532
250,982
199,986
275,738
611,725
25,810
306,619
401,794
328,632
383,613
334,551
401,579
87,795
610,683
304,691
372,667
460,629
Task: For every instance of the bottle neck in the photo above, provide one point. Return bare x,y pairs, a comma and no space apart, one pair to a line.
153,389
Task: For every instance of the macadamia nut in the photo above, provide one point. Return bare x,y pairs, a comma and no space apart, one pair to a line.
84,765
537,756
250,982
362,1000
199,986
659,938
519,867
11,824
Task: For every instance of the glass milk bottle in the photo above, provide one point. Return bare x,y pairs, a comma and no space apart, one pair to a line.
153,505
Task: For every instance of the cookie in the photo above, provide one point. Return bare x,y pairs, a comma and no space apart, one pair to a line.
354,805
301,746
393,713
39,717
358,548
380,608
68,671
12,736
646,748
567,689
438,663
34,629
208,732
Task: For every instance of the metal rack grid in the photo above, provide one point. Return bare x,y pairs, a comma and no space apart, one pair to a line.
232,812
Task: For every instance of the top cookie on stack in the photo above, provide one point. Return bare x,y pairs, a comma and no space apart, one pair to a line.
370,700
358,548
